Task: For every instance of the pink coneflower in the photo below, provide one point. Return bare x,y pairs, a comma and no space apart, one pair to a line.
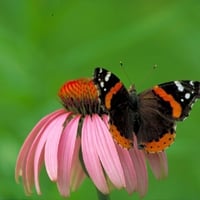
75,142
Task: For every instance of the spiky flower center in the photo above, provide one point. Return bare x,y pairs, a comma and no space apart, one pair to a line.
80,96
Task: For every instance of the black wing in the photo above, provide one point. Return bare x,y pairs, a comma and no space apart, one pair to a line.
117,102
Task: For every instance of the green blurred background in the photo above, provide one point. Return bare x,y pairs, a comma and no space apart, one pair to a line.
44,43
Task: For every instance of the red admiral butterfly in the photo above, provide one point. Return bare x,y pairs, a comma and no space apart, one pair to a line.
150,115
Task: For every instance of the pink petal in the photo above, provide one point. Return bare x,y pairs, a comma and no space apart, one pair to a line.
77,173
107,152
49,129
65,155
28,176
90,156
158,164
24,164
138,159
51,146
128,167
21,160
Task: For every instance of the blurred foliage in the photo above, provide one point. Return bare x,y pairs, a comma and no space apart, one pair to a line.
44,43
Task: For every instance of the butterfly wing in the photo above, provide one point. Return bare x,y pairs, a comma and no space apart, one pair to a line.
159,109
116,100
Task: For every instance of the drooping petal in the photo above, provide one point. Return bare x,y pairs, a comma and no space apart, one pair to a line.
27,143
138,159
158,164
28,176
90,156
107,152
65,155
77,173
49,129
24,163
128,168
51,146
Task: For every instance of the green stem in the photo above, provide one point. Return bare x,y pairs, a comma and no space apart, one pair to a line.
102,196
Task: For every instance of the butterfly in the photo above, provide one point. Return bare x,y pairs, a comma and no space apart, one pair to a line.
151,115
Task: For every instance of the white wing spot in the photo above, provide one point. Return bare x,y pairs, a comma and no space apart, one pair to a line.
102,84
187,95
192,83
107,77
182,100
179,86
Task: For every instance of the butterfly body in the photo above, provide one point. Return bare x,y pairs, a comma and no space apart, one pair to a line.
150,115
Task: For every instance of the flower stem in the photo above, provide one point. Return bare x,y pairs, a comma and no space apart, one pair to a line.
102,196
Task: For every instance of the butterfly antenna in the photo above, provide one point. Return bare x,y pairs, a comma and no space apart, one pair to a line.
125,72
132,86
149,73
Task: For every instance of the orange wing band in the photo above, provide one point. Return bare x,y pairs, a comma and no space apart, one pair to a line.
176,107
161,145
122,141
110,94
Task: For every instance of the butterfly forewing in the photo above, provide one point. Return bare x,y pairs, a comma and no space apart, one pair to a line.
116,101
185,93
